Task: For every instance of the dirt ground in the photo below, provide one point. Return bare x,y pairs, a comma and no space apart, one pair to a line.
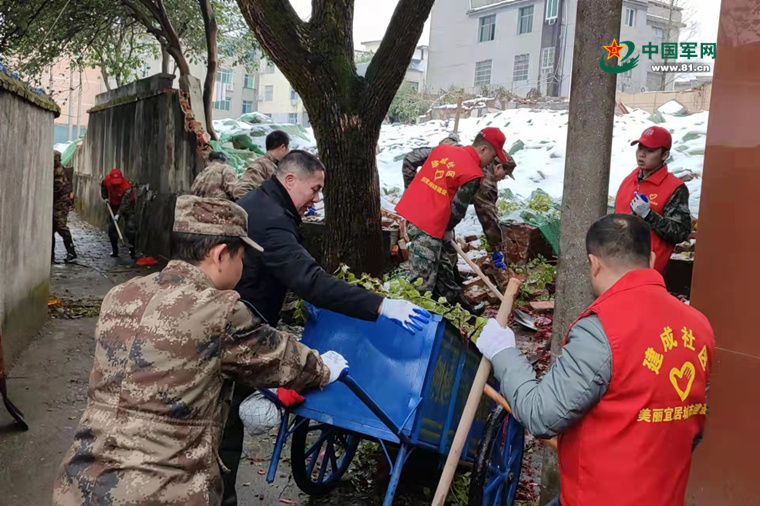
48,382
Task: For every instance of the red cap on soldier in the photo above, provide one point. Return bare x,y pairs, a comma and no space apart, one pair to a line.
496,138
655,137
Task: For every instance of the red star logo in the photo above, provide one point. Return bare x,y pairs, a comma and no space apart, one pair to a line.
614,50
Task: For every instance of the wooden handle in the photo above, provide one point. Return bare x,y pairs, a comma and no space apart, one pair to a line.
480,274
501,401
110,211
473,401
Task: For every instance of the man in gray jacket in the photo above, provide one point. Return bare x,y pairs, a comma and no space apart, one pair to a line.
628,394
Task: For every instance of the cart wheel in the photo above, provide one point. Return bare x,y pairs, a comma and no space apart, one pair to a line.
496,473
320,455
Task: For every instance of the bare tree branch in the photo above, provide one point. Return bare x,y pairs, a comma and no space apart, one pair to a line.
387,69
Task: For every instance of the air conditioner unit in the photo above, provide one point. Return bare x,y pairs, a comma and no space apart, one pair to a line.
643,89
229,87
551,21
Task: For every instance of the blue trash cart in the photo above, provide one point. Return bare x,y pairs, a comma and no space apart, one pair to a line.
402,390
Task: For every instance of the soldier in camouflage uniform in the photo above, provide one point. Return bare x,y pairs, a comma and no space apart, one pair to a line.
430,257
168,347
217,180
261,169
484,201
61,206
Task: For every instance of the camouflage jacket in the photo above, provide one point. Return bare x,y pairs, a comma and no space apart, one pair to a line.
166,347
259,171
61,189
127,206
412,162
218,180
674,224
488,214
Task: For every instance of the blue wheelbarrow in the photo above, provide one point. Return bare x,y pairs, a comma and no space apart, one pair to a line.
401,390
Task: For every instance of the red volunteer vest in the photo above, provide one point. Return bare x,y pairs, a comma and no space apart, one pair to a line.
658,188
427,201
634,447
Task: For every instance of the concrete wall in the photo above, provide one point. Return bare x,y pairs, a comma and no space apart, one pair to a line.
695,100
143,134
26,210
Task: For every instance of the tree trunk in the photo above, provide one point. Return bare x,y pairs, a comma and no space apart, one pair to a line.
353,234
209,21
664,75
346,110
587,176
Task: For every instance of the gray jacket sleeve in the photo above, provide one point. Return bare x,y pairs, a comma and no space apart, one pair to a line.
575,383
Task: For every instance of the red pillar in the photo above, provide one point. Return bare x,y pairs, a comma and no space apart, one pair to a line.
726,278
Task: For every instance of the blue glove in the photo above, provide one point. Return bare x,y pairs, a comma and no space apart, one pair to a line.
310,211
402,312
640,205
498,260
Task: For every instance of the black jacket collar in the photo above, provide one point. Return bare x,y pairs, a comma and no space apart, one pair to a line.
274,189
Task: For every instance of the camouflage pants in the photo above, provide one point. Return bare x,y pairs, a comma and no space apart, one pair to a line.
128,228
433,261
61,227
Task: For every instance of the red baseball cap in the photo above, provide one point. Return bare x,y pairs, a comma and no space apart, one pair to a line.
655,137
497,139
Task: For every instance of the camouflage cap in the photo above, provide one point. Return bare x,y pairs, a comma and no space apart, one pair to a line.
207,216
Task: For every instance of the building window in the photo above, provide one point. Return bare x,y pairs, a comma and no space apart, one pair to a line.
659,35
414,84
483,73
552,6
293,118
248,82
247,106
522,65
222,105
146,69
628,74
224,76
547,60
268,115
630,17
487,28
268,67
526,20
293,94
268,93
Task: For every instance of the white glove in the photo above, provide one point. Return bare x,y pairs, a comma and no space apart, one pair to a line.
402,312
494,339
640,205
335,362
115,218
107,201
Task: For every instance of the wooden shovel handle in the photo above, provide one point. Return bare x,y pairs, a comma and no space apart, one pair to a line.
482,276
473,401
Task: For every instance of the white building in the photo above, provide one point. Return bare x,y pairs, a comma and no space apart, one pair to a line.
527,44
416,72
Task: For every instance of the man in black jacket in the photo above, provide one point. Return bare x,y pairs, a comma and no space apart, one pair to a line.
274,215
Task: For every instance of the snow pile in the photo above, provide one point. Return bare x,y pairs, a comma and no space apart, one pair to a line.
536,139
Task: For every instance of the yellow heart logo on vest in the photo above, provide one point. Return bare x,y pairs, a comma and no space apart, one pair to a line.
676,376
